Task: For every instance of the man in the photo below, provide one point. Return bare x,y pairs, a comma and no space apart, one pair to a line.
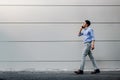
89,41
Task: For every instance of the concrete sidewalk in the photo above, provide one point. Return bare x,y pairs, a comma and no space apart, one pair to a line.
27,75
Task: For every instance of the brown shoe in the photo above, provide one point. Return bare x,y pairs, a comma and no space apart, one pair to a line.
79,72
95,71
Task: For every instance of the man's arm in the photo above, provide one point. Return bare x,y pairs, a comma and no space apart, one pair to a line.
80,33
93,45
93,40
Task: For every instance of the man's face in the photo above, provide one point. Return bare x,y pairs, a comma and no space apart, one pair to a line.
84,24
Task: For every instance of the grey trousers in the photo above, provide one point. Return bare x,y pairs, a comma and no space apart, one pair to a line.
87,51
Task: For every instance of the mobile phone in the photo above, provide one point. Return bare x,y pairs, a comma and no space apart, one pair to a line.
82,27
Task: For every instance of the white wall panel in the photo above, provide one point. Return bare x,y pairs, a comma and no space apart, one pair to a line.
56,51
55,32
42,34
59,13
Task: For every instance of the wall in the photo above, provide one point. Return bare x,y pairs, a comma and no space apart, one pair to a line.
42,34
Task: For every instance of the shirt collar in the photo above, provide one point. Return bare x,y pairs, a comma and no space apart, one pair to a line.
86,28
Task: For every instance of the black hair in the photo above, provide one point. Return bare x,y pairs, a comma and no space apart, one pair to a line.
88,22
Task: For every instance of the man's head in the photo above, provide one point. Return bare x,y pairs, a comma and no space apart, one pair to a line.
86,23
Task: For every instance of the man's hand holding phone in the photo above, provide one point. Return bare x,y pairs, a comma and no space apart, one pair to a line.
82,26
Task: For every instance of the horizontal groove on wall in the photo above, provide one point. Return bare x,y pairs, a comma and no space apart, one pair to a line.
52,60
72,22
63,41
51,5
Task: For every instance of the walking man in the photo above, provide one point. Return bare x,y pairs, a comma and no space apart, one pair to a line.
89,41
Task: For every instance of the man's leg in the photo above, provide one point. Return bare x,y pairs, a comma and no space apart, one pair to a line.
92,60
84,54
96,69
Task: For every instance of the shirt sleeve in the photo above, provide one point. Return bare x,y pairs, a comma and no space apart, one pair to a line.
80,33
92,35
